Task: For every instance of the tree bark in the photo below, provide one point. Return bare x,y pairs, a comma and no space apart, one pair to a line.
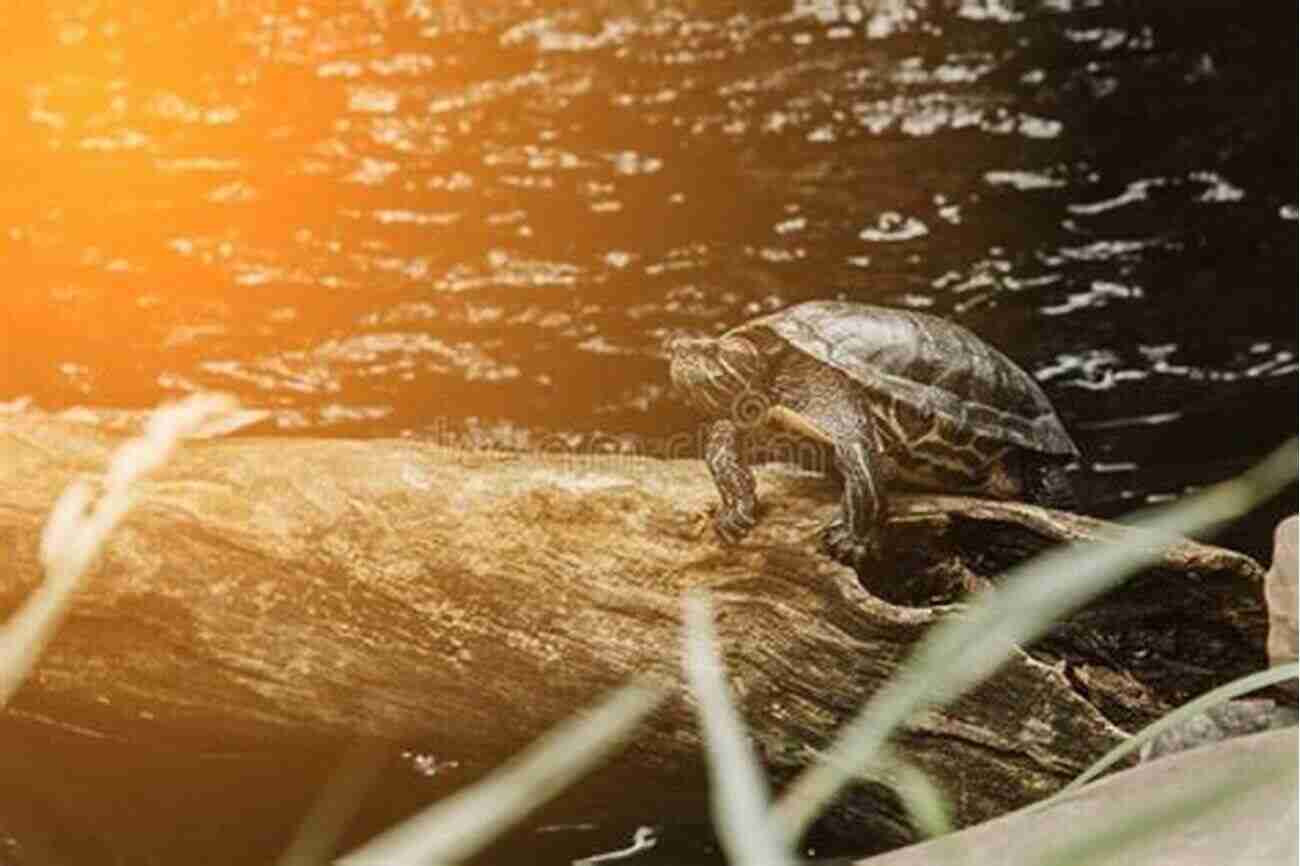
264,590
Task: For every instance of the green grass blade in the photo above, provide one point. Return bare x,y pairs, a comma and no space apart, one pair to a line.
336,805
29,629
456,828
957,654
1236,688
75,532
739,788
924,801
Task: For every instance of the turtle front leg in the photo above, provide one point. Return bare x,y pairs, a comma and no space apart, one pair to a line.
734,479
853,538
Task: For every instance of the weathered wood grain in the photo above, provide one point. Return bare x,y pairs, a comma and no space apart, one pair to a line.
273,589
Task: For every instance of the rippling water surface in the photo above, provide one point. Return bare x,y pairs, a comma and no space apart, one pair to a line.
478,221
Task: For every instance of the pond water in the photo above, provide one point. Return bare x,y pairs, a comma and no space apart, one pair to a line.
477,222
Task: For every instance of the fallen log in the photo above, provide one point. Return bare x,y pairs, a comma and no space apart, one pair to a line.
267,590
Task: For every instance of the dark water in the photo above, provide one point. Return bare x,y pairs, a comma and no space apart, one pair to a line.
477,222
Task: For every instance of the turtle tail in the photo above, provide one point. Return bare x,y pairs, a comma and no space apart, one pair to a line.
1048,484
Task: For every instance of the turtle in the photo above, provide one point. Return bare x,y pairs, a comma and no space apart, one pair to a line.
903,399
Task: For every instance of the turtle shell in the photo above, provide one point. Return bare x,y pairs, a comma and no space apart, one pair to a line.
929,363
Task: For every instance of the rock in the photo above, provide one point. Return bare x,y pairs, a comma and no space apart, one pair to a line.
1256,826
1280,593
1229,719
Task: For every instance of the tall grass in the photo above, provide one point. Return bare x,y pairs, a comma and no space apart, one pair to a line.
740,796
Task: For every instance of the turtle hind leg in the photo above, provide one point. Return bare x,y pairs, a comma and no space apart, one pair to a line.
1048,484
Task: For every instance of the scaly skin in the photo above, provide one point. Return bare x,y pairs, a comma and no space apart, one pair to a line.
734,479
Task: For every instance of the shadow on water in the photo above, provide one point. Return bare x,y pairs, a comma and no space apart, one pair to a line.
477,222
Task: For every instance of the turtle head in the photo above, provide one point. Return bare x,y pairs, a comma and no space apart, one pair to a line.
714,374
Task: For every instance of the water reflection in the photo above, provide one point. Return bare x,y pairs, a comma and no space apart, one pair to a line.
497,199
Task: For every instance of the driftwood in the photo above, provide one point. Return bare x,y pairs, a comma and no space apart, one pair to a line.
270,590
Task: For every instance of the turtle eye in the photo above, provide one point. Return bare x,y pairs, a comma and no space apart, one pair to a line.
737,346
